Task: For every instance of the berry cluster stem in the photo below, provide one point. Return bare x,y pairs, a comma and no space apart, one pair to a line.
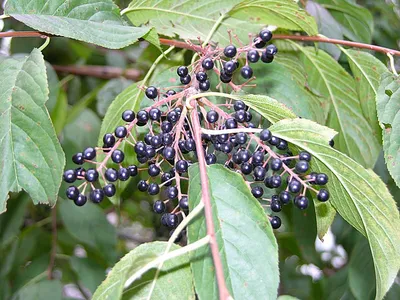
206,198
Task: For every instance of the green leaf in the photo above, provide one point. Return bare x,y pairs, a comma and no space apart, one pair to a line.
356,136
268,107
59,113
358,195
89,226
32,158
286,297
89,273
357,21
196,20
109,92
247,245
91,21
388,107
40,290
367,71
175,277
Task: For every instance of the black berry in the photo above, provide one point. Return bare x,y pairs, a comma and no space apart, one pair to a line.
230,51
111,174
153,189
121,132
257,191
89,153
265,35
78,159
207,64
69,176
109,190
97,195
246,72
117,156
159,207
128,116
182,71
276,222
91,175
301,202
72,192
253,56
151,92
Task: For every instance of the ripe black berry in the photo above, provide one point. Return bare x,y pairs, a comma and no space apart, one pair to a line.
80,172
170,93
123,174
207,64
190,145
212,116
69,176
259,43
153,170
294,186
323,195
150,152
147,138
169,153
274,141
241,138
249,116
271,50
72,192
276,206
331,143
246,72
159,207
171,220
91,175
301,202
172,192
259,173
204,86
253,56
282,145
182,71
275,181
276,222
151,92
80,200
156,141
265,135
265,35
96,195
167,177
186,79
285,197
230,51
108,140
142,116
276,164
227,147
153,189
142,186
184,202
167,139
121,132
117,156
304,155
111,174
128,116
109,190
78,159
231,123
166,126
246,168
89,153
230,67
266,58
201,76
258,158
302,166
224,77
172,116
239,105
211,159
257,191
321,179
133,170
155,114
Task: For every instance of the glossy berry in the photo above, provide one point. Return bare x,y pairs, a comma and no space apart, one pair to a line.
153,189
304,155
266,58
150,152
171,220
147,138
282,145
80,172
241,138
201,76
89,153
332,143
128,116
271,50
140,148
142,186
257,191
204,86
294,186
159,207
184,202
240,116
186,79
182,71
276,206
301,202
207,64
117,156
167,139
153,170
275,222
133,170
323,195
72,192
321,179
258,158
91,175
246,72
123,174
80,200
230,67
190,145
274,141
275,181
230,51
265,35
166,126
276,164
151,92
169,153
265,135
166,177
172,116
212,116
121,132
172,192
259,173
302,166
69,176
156,141
211,159
170,93
253,56
142,116
224,77
155,114
109,190
231,123
96,195
227,147
246,168
285,197
239,105
259,43
111,174
78,159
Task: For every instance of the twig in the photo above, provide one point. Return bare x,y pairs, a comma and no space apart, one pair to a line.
105,72
53,243
206,198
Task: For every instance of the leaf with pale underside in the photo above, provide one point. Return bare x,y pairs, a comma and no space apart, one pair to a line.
357,194
31,156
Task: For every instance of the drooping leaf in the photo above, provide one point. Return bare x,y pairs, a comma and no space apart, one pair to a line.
356,135
358,195
89,226
388,107
250,268
367,71
40,290
191,20
174,279
32,158
91,21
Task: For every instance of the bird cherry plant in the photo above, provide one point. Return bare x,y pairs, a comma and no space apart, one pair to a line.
184,127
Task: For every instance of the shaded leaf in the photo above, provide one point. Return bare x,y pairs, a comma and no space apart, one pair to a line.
40,290
109,92
32,158
89,273
91,21
250,268
358,195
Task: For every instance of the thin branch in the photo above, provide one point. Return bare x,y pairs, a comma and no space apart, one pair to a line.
105,72
206,198
53,243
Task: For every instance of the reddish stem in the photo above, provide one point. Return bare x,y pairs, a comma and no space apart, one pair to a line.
206,198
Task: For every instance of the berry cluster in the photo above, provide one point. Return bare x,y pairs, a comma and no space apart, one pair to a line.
169,147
